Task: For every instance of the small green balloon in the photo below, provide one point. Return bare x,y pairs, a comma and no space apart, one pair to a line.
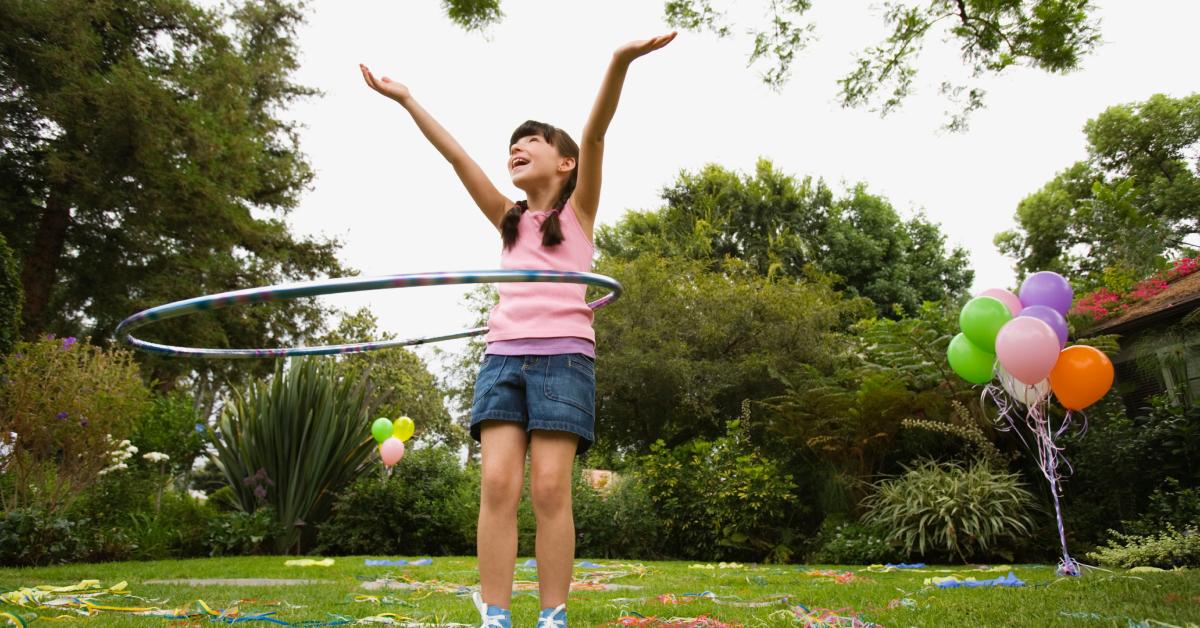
381,429
981,319
970,362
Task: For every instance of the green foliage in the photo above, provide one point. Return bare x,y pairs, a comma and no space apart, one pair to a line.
1171,504
170,427
722,499
180,529
851,542
427,505
148,158
245,533
1049,35
1168,549
32,536
11,298
1117,217
473,15
781,226
63,406
293,442
616,522
948,510
401,382
686,346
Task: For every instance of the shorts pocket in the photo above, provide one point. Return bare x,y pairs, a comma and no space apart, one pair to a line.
572,381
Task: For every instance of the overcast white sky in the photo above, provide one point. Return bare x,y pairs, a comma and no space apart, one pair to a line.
398,208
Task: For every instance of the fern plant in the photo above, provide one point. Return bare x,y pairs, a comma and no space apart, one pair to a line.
951,509
293,442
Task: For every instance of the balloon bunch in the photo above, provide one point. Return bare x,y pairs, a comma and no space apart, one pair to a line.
391,436
1021,342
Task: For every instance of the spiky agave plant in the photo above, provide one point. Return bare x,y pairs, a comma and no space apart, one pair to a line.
291,442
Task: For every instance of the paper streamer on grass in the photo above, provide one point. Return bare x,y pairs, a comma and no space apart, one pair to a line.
1048,453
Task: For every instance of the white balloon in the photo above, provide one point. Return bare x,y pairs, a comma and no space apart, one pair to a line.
1021,392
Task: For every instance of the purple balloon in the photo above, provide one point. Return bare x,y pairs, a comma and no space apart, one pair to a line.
1051,317
1048,289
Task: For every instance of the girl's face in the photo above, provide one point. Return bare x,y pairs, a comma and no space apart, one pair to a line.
533,161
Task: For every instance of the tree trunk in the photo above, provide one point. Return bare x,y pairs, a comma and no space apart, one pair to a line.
39,268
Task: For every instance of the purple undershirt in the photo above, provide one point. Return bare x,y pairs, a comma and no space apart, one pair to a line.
542,346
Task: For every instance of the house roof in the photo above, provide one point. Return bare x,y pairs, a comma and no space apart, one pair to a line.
1180,297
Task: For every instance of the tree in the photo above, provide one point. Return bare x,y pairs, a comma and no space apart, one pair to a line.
401,384
781,226
10,298
145,161
1049,35
686,345
1120,215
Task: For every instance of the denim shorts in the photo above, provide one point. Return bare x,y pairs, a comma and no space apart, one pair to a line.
541,392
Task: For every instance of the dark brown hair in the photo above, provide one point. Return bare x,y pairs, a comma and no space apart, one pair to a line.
552,233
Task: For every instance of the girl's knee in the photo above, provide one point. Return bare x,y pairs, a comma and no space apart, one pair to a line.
551,494
499,490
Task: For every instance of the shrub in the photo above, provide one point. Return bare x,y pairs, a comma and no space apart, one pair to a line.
1169,505
721,499
851,543
30,536
170,427
948,510
11,298
422,508
617,523
294,442
243,533
1168,549
62,404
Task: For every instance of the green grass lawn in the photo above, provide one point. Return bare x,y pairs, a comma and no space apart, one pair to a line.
749,595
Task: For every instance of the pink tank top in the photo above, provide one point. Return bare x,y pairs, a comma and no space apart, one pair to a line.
544,310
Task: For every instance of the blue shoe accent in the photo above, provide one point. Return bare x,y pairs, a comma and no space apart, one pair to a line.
553,617
491,616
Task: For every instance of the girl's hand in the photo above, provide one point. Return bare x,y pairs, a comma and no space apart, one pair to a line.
386,86
634,49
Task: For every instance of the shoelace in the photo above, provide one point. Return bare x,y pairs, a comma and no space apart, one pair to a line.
489,621
551,620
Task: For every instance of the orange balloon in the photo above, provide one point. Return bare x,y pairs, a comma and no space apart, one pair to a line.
1081,377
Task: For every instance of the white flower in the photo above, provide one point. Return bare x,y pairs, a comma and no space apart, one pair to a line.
124,443
132,449
198,495
155,456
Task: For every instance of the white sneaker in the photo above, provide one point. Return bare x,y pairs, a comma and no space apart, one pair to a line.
491,616
553,617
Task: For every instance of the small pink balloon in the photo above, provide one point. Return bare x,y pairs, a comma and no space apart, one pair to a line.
1009,299
1027,348
392,450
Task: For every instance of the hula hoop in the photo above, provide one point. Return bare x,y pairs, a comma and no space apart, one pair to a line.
286,292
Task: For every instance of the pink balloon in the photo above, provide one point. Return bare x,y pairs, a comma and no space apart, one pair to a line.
1007,298
1027,348
392,450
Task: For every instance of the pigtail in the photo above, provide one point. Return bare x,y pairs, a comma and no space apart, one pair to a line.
508,224
552,234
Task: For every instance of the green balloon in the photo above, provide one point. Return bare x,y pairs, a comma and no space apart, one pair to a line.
970,362
981,319
381,429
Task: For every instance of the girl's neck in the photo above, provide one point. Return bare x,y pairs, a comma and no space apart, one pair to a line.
543,199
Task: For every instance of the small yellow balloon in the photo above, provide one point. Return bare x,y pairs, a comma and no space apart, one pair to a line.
402,428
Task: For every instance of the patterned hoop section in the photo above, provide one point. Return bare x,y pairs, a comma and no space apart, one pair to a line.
287,292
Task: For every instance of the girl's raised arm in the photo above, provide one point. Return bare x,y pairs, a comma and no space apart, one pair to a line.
586,199
491,202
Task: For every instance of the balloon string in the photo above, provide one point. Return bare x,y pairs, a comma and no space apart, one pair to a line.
1048,454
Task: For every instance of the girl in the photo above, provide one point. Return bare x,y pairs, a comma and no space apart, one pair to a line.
535,390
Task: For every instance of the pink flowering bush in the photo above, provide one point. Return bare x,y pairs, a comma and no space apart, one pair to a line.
1101,303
